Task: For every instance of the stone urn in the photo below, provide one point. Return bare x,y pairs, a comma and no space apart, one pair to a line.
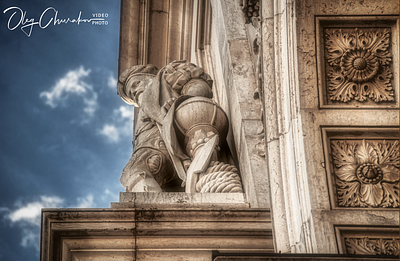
197,120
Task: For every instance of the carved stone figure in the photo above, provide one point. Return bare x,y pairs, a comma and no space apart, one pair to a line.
150,166
179,131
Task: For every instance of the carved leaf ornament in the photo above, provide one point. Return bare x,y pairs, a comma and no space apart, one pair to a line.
376,246
367,174
359,61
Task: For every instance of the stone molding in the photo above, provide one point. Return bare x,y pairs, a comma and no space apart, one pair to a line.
297,257
152,234
290,196
181,200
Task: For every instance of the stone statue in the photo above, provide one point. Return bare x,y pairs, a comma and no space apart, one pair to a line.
150,166
178,131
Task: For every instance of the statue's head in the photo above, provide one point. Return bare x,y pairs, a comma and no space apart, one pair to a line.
133,81
188,79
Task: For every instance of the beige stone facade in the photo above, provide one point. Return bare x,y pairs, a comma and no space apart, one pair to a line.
311,91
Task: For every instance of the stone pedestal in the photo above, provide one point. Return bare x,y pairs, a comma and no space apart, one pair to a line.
157,226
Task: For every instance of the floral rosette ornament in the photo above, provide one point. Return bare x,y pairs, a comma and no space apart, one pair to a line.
367,174
359,61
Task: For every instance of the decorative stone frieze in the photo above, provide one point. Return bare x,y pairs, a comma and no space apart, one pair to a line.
372,246
366,173
358,62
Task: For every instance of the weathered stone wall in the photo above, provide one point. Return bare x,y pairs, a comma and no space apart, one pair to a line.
315,201
327,119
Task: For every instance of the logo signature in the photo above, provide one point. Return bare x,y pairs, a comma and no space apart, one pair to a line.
18,19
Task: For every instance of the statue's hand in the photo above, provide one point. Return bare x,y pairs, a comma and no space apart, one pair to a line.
186,164
167,105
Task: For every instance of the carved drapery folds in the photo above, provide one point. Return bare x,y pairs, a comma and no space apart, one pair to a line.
366,173
372,246
359,64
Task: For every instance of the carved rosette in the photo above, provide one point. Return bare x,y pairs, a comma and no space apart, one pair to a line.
372,246
358,62
366,173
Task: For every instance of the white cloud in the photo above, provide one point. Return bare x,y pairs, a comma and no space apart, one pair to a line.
28,216
125,112
91,105
32,211
122,124
72,83
111,132
86,202
30,238
112,82
108,196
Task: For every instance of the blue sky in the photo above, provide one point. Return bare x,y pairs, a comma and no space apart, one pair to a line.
65,134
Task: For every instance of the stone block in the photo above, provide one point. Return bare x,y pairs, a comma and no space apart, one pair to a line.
180,200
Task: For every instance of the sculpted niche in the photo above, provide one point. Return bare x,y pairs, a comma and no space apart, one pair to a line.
180,132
